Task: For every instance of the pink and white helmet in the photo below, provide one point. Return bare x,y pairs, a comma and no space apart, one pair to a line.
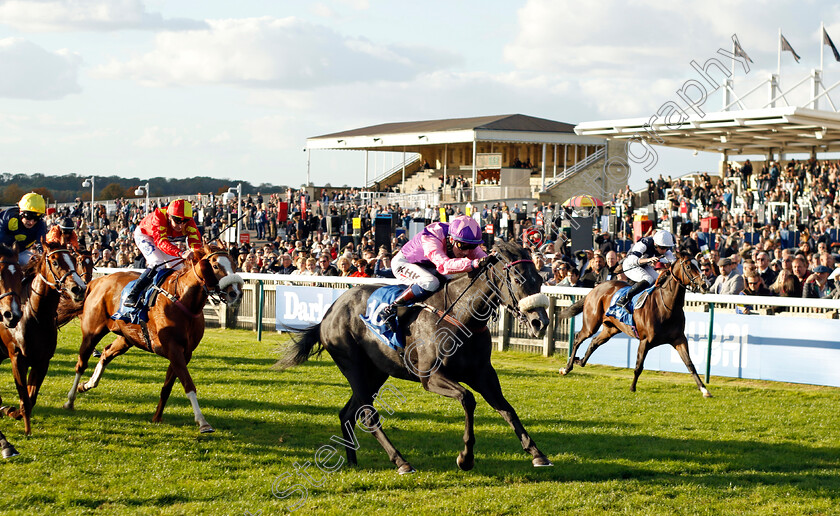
465,229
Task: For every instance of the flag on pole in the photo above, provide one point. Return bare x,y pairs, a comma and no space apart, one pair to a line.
827,41
740,51
786,46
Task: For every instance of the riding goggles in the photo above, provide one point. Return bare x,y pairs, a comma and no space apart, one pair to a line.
178,220
31,215
465,246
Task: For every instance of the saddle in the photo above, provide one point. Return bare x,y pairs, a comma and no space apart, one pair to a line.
140,313
623,315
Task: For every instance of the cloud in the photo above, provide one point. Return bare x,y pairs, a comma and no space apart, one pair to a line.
86,15
30,72
273,53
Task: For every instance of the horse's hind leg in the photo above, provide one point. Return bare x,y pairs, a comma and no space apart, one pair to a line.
442,385
605,335
6,448
347,418
585,332
487,384
681,345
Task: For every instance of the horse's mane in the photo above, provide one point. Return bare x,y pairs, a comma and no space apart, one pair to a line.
31,268
7,252
510,248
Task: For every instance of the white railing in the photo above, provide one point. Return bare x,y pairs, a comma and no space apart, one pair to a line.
577,167
509,333
388,173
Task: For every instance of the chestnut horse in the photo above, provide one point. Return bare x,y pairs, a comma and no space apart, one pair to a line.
661,320
174,329
11,289
31,346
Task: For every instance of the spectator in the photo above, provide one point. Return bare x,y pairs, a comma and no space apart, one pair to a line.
543,269
786,285
286,266
572,280
729,282
345,268
597,272
325,268
816,286
768,275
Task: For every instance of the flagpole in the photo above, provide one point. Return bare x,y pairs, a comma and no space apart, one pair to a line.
779,62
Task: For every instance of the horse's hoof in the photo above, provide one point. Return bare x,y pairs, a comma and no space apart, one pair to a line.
406,469
206,429
10,452
707,394
563,371
541,462
465,464
81,388
69,405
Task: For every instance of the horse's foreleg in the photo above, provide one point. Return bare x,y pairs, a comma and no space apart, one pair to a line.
178,364
640,362
165,391
89,342
681,345
6,448
112,351
19,373
36,378
487,384
442,385
585,332
605,335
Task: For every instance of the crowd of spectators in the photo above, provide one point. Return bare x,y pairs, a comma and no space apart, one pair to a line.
788,250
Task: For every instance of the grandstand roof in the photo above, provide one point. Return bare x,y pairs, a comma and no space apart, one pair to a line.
506,128
755,131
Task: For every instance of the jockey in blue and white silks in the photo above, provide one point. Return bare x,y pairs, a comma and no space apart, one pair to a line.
637,264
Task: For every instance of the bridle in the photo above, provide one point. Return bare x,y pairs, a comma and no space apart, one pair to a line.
10,292
58,283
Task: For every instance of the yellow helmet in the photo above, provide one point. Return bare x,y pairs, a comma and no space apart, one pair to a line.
33,202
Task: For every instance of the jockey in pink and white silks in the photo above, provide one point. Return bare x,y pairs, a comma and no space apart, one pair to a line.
447,248
644,252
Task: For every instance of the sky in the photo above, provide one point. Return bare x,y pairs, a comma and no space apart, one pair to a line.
232,89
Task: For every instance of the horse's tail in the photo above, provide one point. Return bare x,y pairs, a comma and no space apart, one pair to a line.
68,310
573,310
305,343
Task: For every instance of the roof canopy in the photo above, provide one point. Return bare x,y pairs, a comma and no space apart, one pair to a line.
501,128
791,129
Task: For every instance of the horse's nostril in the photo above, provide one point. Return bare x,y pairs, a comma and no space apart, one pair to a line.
7,315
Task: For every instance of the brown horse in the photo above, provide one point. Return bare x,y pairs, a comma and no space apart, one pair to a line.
11,290
31,346
661,320
174,329
84,264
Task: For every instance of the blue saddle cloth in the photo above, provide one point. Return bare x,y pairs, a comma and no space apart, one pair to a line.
377,301
140,312
625,316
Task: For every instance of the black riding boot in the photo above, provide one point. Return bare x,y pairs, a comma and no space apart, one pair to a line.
406,297
628,296
139,286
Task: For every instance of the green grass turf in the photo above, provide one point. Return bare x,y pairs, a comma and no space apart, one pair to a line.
755,448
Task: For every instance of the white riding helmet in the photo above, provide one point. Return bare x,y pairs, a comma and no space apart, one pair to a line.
664,238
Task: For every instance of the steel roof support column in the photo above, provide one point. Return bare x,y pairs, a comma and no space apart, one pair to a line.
475,172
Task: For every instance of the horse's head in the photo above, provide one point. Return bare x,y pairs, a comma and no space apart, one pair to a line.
84,265
518,284
57,266
687,272
216,268
11,286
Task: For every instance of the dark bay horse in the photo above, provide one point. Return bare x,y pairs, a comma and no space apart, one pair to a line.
11,291
661,320
84,264
48,278
439,352
175,326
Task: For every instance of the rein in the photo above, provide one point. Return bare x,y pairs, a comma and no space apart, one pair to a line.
58,281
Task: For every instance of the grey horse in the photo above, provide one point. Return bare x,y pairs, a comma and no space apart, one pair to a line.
441,349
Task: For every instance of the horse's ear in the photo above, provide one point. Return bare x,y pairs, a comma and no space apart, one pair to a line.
198,254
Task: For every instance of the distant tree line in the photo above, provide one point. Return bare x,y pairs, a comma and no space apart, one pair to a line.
69,187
